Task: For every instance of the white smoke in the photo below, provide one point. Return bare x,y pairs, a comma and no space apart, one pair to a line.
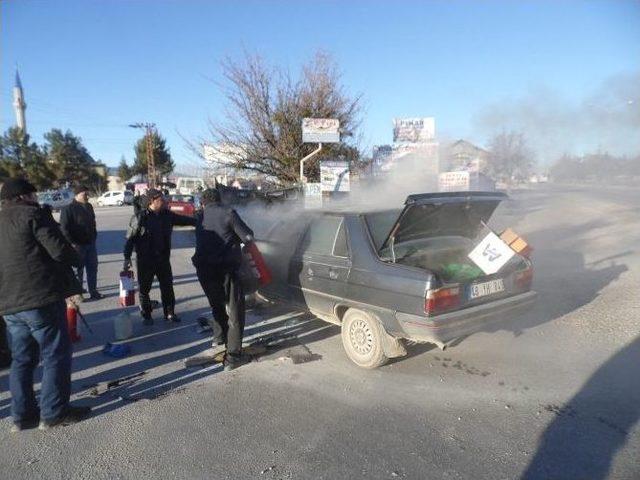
607,120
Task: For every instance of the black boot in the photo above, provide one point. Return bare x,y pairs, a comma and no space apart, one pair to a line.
146,317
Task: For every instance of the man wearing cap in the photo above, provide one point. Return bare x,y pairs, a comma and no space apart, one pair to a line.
78,222
149,234
217,258
35,279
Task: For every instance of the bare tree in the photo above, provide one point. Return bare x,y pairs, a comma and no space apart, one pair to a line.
262,127
510,158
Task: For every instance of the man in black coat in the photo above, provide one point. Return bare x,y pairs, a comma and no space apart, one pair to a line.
217,258
150,234
35,279
78,222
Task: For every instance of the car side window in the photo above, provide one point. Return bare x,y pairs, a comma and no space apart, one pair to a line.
321,235
340,248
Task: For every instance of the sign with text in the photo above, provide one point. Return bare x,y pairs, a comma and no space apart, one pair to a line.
491,254
312,195
334,176
414,130
320,130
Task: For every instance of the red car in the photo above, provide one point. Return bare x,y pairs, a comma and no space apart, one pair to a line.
183,204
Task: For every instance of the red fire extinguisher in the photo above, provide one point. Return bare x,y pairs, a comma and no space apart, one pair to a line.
263,272
127,289
72,322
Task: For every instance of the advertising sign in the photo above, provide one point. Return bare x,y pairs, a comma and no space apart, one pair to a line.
320,130
334,176
414,130
453,181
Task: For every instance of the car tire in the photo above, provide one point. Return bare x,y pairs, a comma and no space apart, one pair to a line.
362,338
120,203
99,204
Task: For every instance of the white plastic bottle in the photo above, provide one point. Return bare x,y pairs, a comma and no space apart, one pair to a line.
123,326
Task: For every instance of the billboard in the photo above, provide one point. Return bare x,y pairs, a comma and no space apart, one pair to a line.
414,130
320,130
334,176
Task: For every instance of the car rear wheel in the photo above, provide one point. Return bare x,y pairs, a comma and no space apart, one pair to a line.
362,339
120,203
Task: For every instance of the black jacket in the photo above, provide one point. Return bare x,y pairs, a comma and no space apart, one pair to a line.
144,239
219,232
35,259
78,222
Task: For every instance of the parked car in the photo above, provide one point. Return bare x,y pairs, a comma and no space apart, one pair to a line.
184,204
56,199
391,274
119,198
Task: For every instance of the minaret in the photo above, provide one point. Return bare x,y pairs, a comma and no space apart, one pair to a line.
19,105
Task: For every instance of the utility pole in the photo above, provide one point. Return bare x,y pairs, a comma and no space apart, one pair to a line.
149,129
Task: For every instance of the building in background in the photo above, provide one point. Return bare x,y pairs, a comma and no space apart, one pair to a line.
463,155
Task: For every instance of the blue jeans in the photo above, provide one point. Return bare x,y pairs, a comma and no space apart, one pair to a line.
89,256
33,332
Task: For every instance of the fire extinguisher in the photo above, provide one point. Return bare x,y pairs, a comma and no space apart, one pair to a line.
264,274
127,289
72,322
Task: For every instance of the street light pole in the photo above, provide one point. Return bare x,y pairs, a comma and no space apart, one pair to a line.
303,179
151,165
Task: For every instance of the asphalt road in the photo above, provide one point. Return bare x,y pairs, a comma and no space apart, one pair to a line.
554,393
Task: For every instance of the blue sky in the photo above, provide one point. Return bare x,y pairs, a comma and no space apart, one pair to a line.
95,66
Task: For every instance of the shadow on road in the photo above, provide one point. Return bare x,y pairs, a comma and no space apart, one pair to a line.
583,439
140,381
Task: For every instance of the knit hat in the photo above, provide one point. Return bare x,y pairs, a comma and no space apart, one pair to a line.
80,188
14,187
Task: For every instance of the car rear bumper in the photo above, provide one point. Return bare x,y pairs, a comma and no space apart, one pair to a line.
446,327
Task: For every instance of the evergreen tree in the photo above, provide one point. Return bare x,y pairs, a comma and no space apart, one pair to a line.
20,157
161,156
70,160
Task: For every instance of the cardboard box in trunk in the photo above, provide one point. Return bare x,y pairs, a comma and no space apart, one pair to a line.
516,242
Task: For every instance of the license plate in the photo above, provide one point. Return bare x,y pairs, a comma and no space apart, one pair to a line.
486,288
177,209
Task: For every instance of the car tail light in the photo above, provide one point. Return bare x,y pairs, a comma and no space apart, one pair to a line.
441,299
524,278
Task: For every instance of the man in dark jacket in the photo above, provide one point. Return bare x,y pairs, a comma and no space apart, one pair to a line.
218,256
35,279
150,234
78,222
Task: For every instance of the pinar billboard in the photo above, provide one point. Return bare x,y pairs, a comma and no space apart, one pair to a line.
414,130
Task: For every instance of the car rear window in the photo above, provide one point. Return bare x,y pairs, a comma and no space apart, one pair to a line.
380,224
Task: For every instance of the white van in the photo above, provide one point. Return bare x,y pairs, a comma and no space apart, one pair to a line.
119,198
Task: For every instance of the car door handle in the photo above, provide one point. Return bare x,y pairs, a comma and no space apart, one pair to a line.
333,275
